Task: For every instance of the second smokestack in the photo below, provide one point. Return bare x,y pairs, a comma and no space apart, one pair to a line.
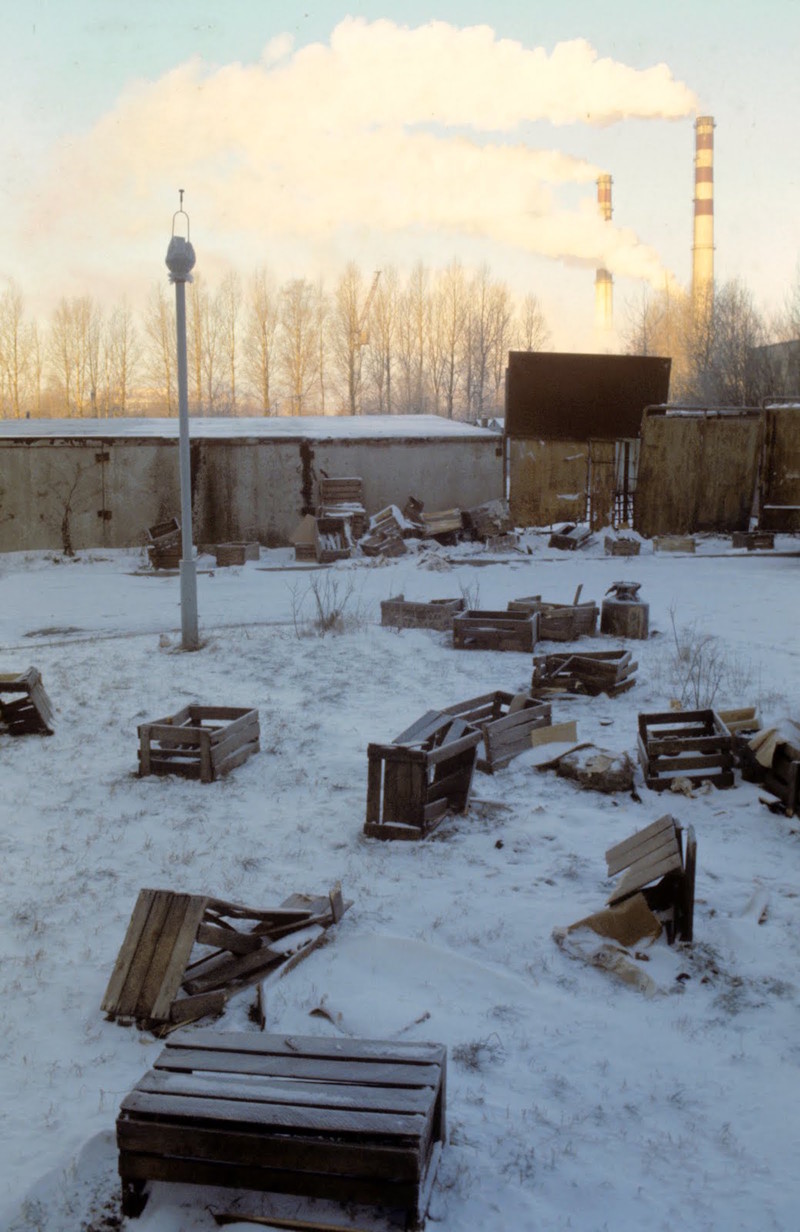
703,247
604,282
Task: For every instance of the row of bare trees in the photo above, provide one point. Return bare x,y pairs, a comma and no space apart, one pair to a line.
434,343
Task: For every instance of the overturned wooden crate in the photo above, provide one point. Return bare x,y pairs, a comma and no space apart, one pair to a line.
559,622
487,521
688,744
343,497
444,525
184,955
505,721
229,554
591,672
399,613
425,773
199,742
782,778
385,535
489,630
353,1121
570,537
656,854
25,708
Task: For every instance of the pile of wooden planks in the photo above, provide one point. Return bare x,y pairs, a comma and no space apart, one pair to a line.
399,613
343,498
184,955
423,774
656,854
489,630
25,708
688,744
590,672
199,742
505,721
356,1121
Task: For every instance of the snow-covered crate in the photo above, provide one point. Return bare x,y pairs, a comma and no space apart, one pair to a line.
236,553
689,744
398,613
593,672
425,773
505,721
333,540
350,1120
199,742
344,498
488,630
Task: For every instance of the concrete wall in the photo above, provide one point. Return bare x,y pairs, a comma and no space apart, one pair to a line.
106,491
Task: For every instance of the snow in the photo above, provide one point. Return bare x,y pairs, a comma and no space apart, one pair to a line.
281,427
574,1101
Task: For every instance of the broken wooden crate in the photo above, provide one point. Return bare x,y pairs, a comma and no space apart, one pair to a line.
399,613
164,544
656,854
385,535
591,672
229,554
184,955
570,537
487,521
782,778
199,742
333,540
559,622
343,497
753,540
423,774
355,1121
505,721
688,744
25,708
489,630
444,525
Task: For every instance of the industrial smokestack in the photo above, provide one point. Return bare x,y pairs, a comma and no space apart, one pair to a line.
603,282
703,247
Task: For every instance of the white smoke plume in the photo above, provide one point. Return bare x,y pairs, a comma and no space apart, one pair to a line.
383,130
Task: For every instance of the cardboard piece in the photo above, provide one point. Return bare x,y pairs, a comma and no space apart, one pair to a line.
626,923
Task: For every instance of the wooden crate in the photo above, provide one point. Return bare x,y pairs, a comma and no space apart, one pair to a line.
782,778
359,1121
674,543
657,854
25,708
344,498
236,553
753,540
691,744
333,540
570,537
164,558
489,630
398,613
559,622
199,742
425,773
505,721
488,521
591,672
622,546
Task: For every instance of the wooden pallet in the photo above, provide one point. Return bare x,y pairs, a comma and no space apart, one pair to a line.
590,672
229,554
398,613
184,955
505,721
488,630
753,540
656,854
25,708
199,742
425,773
690,744
360,1121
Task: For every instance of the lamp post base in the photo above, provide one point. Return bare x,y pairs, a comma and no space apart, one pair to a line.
188,572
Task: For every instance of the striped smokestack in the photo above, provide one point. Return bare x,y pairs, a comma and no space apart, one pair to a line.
603,282
703,247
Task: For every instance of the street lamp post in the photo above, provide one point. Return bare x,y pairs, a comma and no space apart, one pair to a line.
180,263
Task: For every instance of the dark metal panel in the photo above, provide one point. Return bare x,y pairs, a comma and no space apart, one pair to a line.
552,396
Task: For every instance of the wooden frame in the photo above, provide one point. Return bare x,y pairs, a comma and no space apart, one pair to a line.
360,1121
591,672
399,613
29,712
691,744
489,630
199,742
657,854
505,721
782,778
559,622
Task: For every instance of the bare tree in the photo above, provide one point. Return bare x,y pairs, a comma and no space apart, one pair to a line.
413,327
298,343
227,309
160,344
345,336
450,320
479,343
532,330
74,349
382,326
259,350
123,354
16,348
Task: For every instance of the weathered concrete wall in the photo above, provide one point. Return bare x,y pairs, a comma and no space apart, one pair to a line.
547,481
697,472
242,488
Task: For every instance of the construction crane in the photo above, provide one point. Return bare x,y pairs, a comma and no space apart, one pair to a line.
362,332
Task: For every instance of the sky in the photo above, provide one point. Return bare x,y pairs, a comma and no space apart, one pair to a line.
309,135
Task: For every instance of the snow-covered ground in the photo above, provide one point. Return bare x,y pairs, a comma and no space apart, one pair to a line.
574,1101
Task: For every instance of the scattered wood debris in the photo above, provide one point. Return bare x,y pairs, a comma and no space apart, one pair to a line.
229,554
691,744
398,613
488,630
185,955
569,537
29,711
505,721
753,540
199,742
657,854
353,1121
423,774
164,544
777,752
589,672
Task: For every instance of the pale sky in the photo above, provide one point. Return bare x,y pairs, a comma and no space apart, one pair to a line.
306,135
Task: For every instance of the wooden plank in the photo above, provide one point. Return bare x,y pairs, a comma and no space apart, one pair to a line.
189,1009
182,941
629,846
236,727
228,939
655,849
219,971
280,915
236,758
161,968
675,765
392,830
143,955
640,875
208,1047
127,950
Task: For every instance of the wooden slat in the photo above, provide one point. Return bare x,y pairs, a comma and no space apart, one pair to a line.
127,950
247,1043
705,761
228,939
143,955
152,989
629,845
182,939
189,1009
218,970
640,875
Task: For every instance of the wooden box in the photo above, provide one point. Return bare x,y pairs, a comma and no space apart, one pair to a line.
593,672
344,498
753,540
691,744
236,553
559,622
354,1121
398,613
25,708
782,778
199,742
333,540
488,630
625,545
425,773
505,721
570,537
657,854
